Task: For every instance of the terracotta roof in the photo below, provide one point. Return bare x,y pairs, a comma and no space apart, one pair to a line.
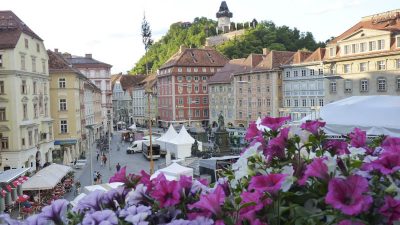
57,64
226,73
150,80
298,57
371,22
317,55
274,60
196,57
79,61
11,28
128,82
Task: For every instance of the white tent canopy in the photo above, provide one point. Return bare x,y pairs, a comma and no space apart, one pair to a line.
132,127
46,178
376,115
181,145
101,187
169,135
174,172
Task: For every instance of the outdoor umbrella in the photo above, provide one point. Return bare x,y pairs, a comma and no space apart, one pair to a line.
16,183
23,179
22,198
69,156
65,159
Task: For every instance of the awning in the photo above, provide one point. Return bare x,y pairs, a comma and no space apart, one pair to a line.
46,178
10,175
65,142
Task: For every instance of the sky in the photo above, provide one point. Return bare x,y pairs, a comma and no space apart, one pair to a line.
111,30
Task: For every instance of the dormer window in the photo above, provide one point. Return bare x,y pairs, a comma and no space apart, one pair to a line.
363,47
331,52
372,45
381,44
180,69
346,49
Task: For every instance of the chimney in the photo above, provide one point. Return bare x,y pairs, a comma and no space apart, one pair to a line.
56,50
266,51
88,56
66,55
182,48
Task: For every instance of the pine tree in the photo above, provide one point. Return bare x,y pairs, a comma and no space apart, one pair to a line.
146,38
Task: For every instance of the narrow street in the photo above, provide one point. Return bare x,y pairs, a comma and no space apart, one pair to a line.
134,163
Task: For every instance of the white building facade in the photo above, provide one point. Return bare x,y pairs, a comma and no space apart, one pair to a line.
26,127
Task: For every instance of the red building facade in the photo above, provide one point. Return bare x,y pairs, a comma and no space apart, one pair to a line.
182,86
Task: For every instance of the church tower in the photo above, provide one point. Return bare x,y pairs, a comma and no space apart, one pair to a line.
224,18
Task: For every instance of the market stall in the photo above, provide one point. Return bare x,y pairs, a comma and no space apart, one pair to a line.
10,183
169,135
181,145
174,172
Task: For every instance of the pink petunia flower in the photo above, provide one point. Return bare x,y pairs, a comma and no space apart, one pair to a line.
391,144
276,146
274,123
185,182
145,179
167,193
340,147
358,138
391,209
312,126
348,195
249,212
317,168
350,222
252,132
211,203
119,176
386,164
271,183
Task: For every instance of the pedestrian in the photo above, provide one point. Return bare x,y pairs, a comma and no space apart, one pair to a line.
105,160
118,167
98,178
97,156
102,160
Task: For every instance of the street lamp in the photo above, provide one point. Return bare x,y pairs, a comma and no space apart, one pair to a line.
149,92
247,102
90,128
109,139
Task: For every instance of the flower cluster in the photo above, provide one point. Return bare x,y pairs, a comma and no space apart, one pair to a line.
283,176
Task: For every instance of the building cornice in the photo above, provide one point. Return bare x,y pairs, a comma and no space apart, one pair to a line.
364,56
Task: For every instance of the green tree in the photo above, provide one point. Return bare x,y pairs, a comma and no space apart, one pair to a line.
146,39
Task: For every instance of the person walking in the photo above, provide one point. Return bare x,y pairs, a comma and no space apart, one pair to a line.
118,167
105,160
97,155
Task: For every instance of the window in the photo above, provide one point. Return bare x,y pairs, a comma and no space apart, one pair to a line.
46,114
258,77
180,101
346,49
189,88
205,112
26,43
63,126
331,52
1,87
37,47
267,88
36,136
61,82
203,69
363,47
43,66
354,48
312,102
381,65
296,103
188,78
179,78
23,141
304,102
3,114
258,89
30,138
196,88
248,78
23,62
180,69
50,132
397,63
24,87
320,72
35,110
332,86
287,73
381,84
372,45
364,86
288,102
188,69
197,113
240,90
34,87
312,72
1,60
398,41
4,142
25,111
363,67
346,68
248,90
381,44
196,70
240,102
303,73
321,102
398,84
268,102
204,78
348,85
197,100
212,70
33,64
196,78
63,104
295,73
259,102
205,100
204,88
